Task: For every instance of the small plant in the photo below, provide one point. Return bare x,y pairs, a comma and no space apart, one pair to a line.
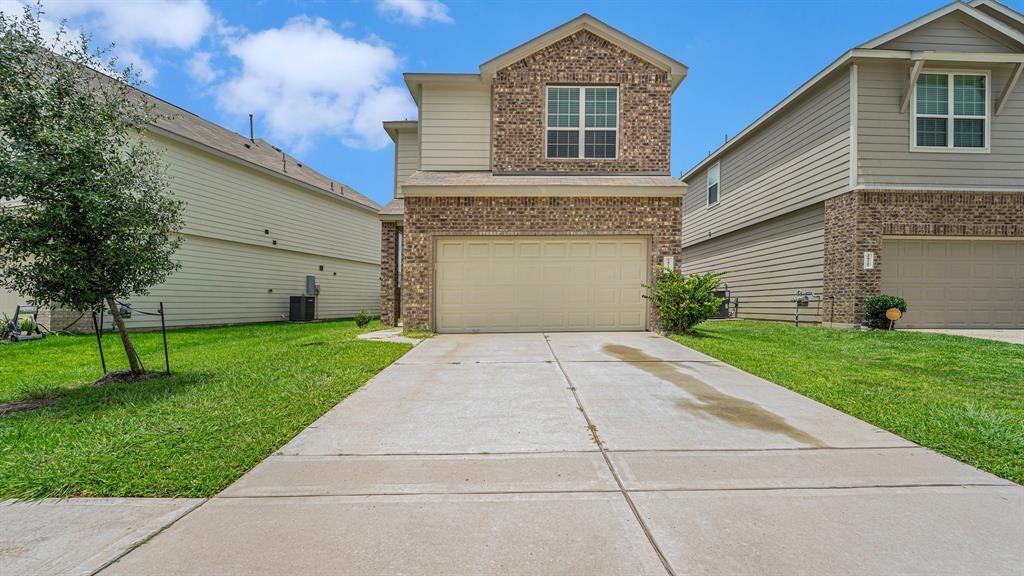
684,300
363,318
26,325
875,307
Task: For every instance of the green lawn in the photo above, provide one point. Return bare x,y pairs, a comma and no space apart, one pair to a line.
963,397
236,395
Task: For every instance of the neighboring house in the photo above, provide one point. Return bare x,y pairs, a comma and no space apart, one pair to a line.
898,169
257,222
535,194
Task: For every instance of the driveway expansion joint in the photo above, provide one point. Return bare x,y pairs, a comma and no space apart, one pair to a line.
611,468
142,541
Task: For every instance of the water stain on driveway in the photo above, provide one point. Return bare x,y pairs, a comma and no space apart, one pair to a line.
709,402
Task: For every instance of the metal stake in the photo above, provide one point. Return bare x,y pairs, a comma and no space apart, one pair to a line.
99,341
163,328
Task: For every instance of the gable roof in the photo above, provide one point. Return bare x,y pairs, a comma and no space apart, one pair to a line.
870,49
184,126
957,6
676,69
1000,12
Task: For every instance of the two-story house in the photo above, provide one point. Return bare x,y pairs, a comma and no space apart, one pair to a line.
535,194
898,169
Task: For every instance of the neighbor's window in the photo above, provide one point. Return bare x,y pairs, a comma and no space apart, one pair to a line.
599,130
951,111
713,184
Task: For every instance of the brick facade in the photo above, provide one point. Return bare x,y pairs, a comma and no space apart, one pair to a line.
389,294
519,99
856,222
659,219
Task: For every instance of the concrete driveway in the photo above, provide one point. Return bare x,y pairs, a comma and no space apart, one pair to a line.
618,453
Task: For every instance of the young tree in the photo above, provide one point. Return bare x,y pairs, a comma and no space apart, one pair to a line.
86,217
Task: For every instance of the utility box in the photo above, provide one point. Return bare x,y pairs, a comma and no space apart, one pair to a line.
302,308
723,308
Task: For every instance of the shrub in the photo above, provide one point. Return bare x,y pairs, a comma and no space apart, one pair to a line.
363,318
684,300
875,307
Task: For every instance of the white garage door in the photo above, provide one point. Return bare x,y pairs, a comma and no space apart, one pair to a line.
528,284
956,283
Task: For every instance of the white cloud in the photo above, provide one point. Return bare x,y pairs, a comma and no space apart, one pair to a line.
200,68
164,23
131,26
414,11
305,80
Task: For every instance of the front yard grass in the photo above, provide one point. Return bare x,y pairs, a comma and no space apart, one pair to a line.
961,396
236,394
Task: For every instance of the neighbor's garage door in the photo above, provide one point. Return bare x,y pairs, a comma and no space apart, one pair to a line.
956,283
525,284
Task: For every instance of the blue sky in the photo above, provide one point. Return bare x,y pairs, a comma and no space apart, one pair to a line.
321,75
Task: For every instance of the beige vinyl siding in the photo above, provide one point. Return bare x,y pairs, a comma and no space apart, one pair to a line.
8,301
767,263
799,158
231,270
228,201
407,157
223,282
455,127
883,138
954,33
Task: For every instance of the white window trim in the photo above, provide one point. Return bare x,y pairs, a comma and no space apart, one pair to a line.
582,129
949,116
707,185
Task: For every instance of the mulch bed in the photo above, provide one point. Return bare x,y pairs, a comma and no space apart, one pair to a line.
25,405
122,376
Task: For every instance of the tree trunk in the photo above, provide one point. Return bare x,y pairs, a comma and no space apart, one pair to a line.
129,349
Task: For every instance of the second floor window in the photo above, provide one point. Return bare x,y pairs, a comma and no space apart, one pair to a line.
582,122
713,184
951,112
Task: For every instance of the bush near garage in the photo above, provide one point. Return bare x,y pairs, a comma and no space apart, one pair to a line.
875,307
684,300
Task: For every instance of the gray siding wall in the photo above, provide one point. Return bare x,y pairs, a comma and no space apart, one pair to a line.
407,157
883,138
455,127
799,158
768,262
953,33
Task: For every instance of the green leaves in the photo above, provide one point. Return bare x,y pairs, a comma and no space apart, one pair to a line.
85,211
93,215
876,306
684,300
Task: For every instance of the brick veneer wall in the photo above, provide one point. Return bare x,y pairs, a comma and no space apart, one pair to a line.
388,272
659,219
856,222
519,97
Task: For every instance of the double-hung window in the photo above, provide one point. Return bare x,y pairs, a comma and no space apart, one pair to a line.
583,122
951,112
713,176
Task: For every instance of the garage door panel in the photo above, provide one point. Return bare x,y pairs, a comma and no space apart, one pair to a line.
540,283
581,249
965,283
